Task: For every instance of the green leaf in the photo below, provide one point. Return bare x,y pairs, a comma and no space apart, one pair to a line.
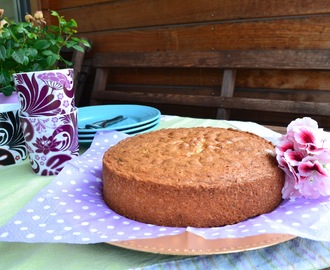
2,53
37,67
7,90
66,62
51,60
31,52
47,52
72,24
6,77
18,56
41,44
32,36
78,48
2,78
80,40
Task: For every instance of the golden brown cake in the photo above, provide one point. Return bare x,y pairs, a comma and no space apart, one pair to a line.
199,177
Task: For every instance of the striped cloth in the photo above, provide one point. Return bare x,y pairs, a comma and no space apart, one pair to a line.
296,254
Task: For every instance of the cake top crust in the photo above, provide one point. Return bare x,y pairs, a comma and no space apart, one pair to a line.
193,157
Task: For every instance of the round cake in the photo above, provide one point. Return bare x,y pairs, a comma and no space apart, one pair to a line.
199,177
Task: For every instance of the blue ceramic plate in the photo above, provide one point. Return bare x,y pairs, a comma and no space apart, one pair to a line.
127,131
135,115
89,140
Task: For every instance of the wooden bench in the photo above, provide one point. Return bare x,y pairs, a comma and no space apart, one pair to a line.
229,61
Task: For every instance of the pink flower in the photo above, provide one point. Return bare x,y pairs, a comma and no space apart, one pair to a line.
289,190
302,122
304,155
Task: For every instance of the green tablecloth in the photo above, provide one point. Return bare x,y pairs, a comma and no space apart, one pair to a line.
18,185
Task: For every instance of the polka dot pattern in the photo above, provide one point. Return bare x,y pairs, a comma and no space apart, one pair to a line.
71,210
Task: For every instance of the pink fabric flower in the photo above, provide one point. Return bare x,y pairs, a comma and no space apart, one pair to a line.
303,153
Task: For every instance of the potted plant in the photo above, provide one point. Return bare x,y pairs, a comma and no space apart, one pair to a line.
34,46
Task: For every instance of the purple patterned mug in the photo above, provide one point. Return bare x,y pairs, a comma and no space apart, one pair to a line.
45,93
51,141
12,144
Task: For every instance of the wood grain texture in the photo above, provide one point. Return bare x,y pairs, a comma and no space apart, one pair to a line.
230,62
282,106
233,59
126,14
185,26
295,33
60,4
265,79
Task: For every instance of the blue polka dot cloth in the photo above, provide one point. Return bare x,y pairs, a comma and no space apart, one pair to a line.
71,210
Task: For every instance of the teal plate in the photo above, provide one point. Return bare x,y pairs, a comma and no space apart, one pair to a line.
132,130
89,140
135,115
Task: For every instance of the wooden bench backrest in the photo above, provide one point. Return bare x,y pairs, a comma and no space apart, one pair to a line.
229,61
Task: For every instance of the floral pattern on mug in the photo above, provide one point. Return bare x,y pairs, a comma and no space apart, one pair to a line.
58,81
45,93
12,143
51,141
303,153
45,145
36,100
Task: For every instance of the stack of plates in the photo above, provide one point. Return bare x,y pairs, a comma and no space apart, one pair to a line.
137,119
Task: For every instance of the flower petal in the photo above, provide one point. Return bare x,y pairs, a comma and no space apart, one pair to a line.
302,122
293,157
308,168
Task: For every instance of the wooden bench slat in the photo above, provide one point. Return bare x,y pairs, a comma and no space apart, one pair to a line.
227,90
285,106
229,59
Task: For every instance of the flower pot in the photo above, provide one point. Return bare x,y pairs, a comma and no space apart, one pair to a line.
12,143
